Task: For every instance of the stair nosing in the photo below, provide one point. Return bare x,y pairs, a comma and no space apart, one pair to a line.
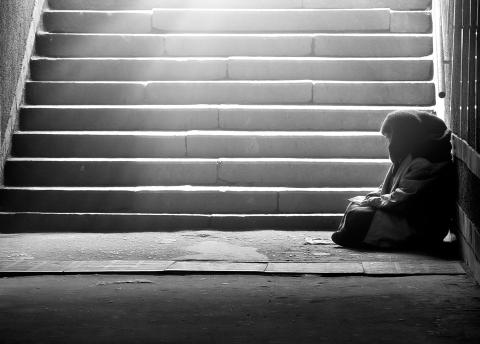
236,58
230,107
247,34
199,9
220,82
177,214
187,188
219,160
247,10
238,133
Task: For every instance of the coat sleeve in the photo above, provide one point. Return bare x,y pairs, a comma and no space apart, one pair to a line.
419,174
379,190
375,193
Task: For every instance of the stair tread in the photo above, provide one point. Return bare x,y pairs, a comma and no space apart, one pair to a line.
234,172
214,144
147,4
299,160
240,10
187,188
14,222
238,20
239,34
305,91
203,117
233,58
267,82
176,214
204,132
234,44
230,68
224,106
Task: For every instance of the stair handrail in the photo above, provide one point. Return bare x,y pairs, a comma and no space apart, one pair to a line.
439,52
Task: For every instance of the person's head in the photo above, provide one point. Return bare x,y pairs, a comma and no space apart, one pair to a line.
418,133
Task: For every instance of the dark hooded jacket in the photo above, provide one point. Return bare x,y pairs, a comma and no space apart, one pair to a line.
415,202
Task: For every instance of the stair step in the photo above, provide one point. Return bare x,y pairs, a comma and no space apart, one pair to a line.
374,93
235,68
230,92
310,118
149,4
203,117
180,200
131,69
224,45
278,20
155,115
330,69
98,21
199,144
17,222
170,92
380,45
132,118
411,21
392,4
243,172
238,20
291,20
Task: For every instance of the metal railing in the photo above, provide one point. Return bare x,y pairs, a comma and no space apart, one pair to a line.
465,80
438,14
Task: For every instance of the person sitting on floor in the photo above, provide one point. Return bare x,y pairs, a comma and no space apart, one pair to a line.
415,203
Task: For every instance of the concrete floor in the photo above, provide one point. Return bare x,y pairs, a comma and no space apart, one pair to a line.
229,308
265,245
239,309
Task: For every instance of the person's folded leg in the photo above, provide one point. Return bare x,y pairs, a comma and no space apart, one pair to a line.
354,227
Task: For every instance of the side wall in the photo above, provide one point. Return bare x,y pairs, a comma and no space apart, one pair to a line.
18,22
460,32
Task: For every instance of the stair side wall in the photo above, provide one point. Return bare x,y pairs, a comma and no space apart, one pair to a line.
18,24
465,127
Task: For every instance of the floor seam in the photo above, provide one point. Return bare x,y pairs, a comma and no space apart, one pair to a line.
366,268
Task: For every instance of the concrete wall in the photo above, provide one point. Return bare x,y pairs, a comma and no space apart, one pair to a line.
15,20
18,23
464,122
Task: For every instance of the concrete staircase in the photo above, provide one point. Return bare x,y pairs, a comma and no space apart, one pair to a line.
154,115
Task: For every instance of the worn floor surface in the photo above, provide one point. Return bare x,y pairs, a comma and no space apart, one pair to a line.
255,246
230,308
239,309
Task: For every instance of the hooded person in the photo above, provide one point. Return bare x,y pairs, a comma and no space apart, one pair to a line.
414,204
